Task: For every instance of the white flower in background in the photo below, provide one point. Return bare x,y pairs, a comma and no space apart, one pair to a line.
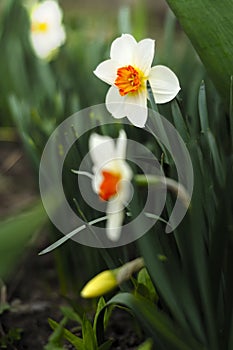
127,71
111,180
47,32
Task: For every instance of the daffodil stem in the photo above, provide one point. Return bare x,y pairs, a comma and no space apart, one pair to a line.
231,110
125,272
151,97
157,122
177,188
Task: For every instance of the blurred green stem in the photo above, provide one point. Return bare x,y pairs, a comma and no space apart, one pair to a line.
175,187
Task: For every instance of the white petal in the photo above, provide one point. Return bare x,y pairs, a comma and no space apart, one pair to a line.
144,55
121,145
115,219
123,48
115,103
107,71
136,108
132,106
102,150
97,179
164,83
125,189
48,11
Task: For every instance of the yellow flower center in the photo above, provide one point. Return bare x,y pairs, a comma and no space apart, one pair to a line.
128,80
108,187
39,27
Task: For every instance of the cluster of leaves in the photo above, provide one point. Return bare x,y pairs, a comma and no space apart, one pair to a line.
9,339
93,334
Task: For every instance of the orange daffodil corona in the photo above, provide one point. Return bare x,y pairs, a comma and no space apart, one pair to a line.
111,180
47,32
127,71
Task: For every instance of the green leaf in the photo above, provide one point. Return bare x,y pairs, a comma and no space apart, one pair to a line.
203,112
15,234
71,314
73,339
56,338
155,322
144,279
208,25
147,345
7,340
179,121
105,346
89,339
218,164
100,306
231,111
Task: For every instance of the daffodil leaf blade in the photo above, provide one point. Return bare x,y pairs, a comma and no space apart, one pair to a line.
56,337
147,345
71,314
144,279
106,346
70,337
155,322
218,164
100,306
178,120
202,106
89,339
208,25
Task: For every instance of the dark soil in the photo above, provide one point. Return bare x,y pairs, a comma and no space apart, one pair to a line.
33,296
33,290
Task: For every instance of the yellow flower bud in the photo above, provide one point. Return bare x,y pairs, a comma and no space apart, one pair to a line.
103,283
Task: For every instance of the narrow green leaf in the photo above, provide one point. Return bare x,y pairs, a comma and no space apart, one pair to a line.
144,279
231,111
179,121
71,314
89,339
147,345
100,306
56,338
202,106
218,164
73,339
106,346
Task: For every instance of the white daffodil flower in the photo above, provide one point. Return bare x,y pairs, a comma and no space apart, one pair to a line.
47,32
111,180
127,71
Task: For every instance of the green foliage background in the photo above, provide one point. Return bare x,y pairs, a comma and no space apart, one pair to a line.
194,308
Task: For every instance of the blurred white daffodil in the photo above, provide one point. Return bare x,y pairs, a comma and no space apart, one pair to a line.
111,180
127,71
47,32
